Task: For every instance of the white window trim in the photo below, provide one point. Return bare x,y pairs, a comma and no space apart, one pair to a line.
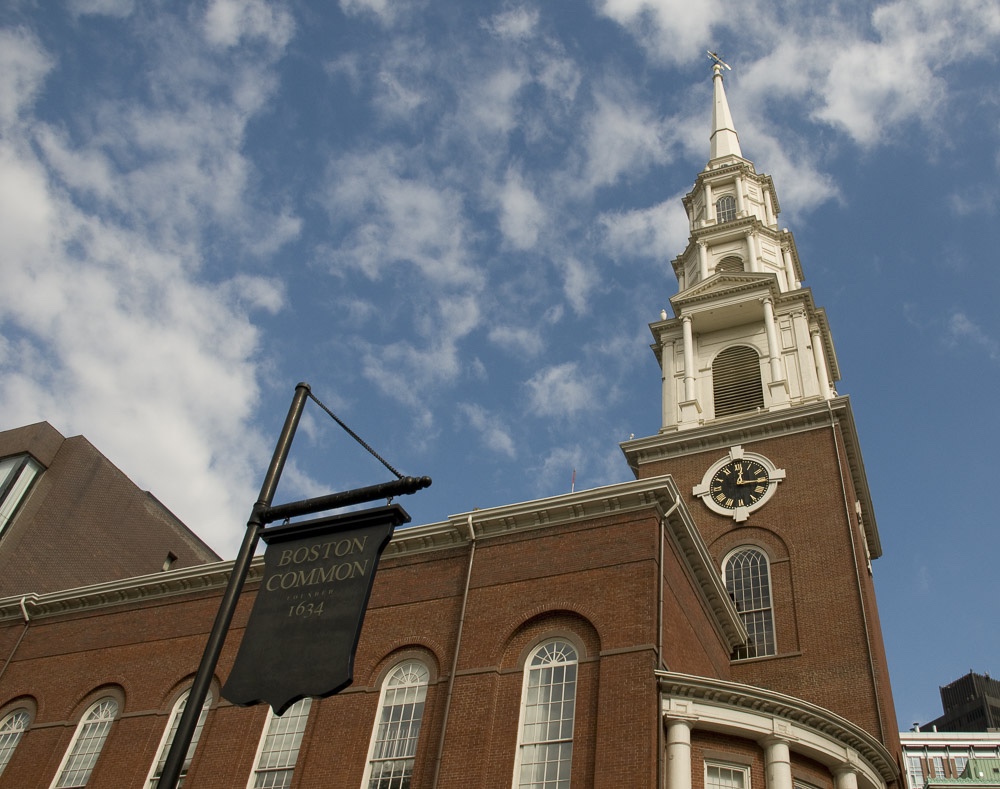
16,735
378,714
263,739
770,591
76,736
734,766
173,720
526,671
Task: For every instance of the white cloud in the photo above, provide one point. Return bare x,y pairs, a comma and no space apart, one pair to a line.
560,391
522,216
227,22
579,280
961,329
673,30
398,219
515,23
517,339
23,67
658,232
491,429
113,8
622,137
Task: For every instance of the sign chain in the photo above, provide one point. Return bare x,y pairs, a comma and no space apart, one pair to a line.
354,435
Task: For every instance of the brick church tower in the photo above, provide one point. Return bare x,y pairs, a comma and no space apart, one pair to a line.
765,452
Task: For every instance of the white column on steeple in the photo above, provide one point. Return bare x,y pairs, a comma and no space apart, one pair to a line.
688,359
702,260
768,208
786,255
667,413
752,263
741,206
725,141
820,357
773,351
709,203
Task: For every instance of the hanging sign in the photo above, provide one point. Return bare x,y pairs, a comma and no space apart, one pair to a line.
306,621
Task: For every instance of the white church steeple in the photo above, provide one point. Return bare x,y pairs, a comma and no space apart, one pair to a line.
746,336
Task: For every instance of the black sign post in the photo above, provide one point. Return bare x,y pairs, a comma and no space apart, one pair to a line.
262,514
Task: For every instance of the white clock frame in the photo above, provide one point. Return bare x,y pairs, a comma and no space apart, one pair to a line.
739,514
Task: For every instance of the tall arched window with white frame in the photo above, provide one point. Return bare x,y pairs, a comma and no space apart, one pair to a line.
11,728
279,747
397,727
548,706
168,739
88,741
748,581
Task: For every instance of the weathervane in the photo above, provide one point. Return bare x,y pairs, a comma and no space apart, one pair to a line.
718,59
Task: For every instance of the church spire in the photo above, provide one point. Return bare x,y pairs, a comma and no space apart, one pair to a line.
725,141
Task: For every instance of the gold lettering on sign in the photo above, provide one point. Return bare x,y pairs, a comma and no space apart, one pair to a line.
293,576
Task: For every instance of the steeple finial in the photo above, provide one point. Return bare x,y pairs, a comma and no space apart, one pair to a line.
725,141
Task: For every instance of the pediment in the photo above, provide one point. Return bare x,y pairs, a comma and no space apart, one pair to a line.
727,284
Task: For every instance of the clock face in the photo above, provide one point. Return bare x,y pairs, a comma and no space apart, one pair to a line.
739,483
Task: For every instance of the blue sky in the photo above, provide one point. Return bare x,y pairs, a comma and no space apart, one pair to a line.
455,220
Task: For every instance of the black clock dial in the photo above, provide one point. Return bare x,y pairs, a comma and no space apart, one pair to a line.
739,483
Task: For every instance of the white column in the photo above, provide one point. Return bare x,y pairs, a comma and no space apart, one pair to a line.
752,252
768,208
678,755
793,283
773,351
777,764
845,778
820,356
702,260
709,203
740,202
688,359
668,415
806,358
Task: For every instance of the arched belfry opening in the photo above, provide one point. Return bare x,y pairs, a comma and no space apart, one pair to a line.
736,383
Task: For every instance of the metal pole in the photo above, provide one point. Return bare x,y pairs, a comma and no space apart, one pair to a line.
227,608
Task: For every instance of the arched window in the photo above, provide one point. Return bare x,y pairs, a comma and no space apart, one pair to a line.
87,744
725,209
168,739
11,729
748,582
736,383
397,728
548,702
279,747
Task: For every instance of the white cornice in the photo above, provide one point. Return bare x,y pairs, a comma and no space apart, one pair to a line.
761,714
658,494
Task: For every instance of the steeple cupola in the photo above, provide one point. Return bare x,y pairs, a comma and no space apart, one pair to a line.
746,336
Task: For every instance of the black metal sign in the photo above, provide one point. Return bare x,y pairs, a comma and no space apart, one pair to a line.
305,623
